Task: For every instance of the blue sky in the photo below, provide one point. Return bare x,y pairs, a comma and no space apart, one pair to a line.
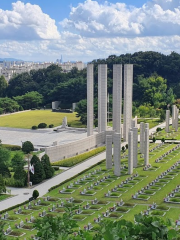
85,30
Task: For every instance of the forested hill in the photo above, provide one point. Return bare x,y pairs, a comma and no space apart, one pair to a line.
70,87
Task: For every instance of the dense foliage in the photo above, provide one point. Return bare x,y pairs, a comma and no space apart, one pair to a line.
144,227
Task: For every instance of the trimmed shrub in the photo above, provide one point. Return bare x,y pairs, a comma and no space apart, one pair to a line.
56,168
34,127
33,109
35,194
42,125
21,108
158,129
51,125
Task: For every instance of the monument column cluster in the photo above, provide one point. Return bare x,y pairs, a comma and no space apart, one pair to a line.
130,130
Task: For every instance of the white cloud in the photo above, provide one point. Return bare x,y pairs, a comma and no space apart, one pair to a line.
92,31
26,22
75,47
156,18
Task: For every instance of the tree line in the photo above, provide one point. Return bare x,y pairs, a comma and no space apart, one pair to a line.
156,83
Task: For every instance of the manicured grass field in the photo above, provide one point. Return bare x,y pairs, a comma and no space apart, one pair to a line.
172,135
28,119
87,180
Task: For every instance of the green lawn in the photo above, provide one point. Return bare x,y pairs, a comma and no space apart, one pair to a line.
4,196
28,119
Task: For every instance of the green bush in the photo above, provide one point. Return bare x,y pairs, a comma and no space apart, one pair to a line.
42,125
33,109
21,108
158,129
1,111
34,127
69,162
35,194
56,168
11,147
51,125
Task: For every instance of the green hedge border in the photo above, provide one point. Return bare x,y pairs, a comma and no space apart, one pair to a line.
72,161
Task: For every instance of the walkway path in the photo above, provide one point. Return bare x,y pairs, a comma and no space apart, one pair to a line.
23,194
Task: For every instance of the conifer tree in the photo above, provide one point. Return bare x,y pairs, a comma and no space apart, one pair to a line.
39,174
48,169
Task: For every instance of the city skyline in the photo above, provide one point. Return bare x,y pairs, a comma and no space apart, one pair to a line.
38,30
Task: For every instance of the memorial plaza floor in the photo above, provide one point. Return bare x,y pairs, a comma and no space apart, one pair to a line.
39,138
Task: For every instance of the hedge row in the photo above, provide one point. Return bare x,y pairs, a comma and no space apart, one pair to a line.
69,162
12,147
69,179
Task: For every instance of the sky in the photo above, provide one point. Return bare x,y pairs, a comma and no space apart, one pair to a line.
43,30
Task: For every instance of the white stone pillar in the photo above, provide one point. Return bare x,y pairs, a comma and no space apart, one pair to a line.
173,115
108,151
130,152
127,108
117,97
133,123
142,137
135,146
146,147
102,97
117,154
176,118
90,99
167,120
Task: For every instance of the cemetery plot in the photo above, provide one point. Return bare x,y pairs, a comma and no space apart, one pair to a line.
91,209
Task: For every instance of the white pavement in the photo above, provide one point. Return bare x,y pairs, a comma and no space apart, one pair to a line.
23,194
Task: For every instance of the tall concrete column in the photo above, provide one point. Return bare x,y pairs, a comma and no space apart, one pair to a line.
142,137
173,115
146,147
117,97
127,108
108,151
167,120
130,152
133,123
176,118
117,154
90,99
102,97
135,146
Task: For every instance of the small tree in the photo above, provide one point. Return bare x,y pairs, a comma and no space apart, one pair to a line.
35,194
126,146
162,140
27,147
154,139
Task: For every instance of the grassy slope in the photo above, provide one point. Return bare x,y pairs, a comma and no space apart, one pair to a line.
28,119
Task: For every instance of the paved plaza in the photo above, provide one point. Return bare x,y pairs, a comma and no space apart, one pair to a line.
39,138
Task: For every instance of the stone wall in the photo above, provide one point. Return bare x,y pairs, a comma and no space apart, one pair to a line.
63,151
